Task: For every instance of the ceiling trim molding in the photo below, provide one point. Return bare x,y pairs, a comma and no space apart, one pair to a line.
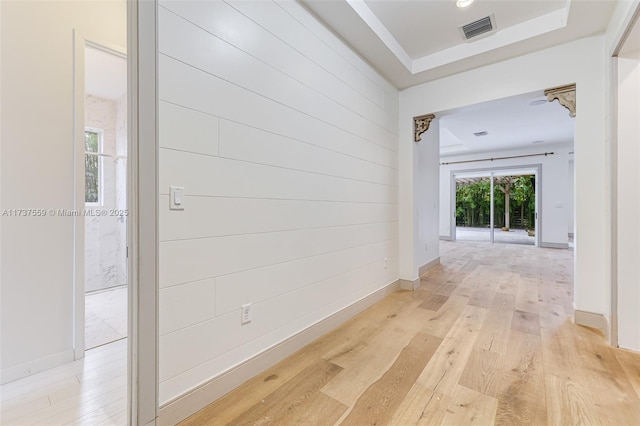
566,96
420,125
502,37
534,27
372,21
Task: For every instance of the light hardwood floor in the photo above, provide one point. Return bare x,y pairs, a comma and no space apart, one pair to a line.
487,339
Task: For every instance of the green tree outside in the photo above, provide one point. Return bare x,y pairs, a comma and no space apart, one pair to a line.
473,202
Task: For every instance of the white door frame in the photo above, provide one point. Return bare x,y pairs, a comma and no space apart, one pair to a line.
452,207
631,19
142,223
143,216
80,42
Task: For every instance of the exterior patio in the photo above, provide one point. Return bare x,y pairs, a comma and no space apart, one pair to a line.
513,236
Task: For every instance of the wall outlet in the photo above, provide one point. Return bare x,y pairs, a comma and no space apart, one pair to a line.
386,262
246,313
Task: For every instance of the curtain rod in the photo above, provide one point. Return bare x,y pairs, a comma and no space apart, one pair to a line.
498,158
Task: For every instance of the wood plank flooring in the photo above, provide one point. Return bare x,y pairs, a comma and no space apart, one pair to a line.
487,339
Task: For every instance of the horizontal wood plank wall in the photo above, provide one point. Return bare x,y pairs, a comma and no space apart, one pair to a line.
286,145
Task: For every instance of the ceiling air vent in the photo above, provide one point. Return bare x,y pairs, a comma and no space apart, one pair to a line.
478,27
483,133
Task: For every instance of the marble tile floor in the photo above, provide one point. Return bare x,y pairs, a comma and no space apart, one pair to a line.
105,316
89,391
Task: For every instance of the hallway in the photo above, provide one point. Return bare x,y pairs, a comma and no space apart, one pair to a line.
488,338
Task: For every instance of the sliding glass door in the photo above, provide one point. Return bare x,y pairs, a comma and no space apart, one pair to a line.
497,206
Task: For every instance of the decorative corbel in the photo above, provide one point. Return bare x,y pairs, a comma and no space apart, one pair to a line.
566,95
421,125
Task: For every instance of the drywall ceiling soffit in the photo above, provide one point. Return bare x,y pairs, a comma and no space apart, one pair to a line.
411,42
527,121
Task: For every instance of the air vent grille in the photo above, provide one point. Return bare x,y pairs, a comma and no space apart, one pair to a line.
478,27
483,133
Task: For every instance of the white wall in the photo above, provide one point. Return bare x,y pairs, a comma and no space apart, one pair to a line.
285,142
580,62
628,177
554,188
571,196
426,199
37,173
121,188
620,22
105,236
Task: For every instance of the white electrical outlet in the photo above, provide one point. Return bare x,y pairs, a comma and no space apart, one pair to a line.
246,313
386,262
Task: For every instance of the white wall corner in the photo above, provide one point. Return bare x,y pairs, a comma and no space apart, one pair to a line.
554,245
593,320
406,156
410,285
32,367
428,266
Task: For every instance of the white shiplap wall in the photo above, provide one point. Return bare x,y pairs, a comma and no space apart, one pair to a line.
286,144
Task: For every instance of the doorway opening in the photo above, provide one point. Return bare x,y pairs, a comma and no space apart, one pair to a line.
515,208
496,206
105,196
509,140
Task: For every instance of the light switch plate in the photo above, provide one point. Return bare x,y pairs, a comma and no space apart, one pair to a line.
176,198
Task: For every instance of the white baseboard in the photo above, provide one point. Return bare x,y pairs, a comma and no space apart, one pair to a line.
410,285
593,320
186,405
445,238
425,268
413,285
555,245
32,367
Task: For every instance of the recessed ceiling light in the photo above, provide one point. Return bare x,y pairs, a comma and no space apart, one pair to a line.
538,102
464,3
483,133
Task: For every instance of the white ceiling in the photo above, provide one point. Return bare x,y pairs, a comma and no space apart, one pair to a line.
511,123
105,74
408,22
411,42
